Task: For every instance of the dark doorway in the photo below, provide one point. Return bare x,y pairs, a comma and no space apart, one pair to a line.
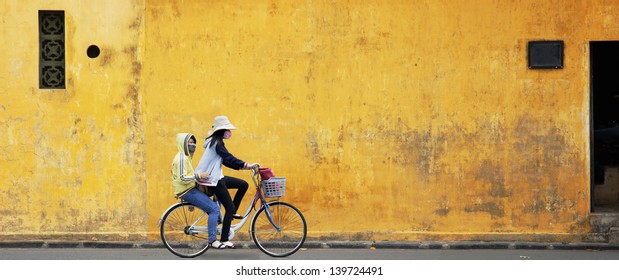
604,126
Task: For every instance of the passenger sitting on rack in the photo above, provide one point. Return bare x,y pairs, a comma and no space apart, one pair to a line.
184,182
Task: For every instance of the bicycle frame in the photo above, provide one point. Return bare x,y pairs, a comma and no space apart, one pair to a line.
263,204
193,229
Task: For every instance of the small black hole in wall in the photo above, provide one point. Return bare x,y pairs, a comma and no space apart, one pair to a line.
93,51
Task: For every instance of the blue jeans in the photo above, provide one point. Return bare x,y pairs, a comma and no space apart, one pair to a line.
202,201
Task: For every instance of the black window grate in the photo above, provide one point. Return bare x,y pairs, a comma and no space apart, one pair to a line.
51,50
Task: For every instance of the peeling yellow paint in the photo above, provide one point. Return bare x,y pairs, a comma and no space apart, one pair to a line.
390,119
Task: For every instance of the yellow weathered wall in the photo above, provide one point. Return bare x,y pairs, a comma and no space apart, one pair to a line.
73,160
390,119
408,120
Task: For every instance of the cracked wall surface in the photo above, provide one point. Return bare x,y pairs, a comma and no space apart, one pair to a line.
73,160
407,120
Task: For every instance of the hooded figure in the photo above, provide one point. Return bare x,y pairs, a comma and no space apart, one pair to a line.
184,182
183,176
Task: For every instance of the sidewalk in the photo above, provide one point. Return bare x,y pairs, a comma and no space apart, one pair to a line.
462,245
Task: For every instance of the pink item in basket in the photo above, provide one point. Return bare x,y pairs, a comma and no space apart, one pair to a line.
265,173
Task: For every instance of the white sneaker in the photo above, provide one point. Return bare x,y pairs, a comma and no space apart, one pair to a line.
228,245
218,245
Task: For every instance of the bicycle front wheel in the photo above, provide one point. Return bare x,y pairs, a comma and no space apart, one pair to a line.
288,238
179,230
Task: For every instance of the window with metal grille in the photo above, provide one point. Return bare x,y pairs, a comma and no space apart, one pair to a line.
51,50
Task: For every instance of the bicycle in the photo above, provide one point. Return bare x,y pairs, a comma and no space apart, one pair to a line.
277,228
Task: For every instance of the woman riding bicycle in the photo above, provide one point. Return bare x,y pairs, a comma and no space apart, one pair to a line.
211,162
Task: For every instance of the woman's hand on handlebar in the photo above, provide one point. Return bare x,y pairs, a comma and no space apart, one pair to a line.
253,166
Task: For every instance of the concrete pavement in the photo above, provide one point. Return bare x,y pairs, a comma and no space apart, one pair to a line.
334,245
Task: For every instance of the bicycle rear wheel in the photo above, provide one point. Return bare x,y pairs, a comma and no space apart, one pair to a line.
178,235
290,236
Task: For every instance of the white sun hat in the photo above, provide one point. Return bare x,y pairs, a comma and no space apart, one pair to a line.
221,122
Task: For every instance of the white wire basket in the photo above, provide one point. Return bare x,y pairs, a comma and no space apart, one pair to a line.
274,187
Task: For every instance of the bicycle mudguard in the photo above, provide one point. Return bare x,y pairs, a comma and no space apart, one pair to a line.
166,211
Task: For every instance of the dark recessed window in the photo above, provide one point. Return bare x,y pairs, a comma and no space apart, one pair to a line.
545,54
93,51
51,50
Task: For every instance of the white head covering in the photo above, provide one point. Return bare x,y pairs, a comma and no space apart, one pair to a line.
221,122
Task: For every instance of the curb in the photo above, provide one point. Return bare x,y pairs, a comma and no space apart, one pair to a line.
466,245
